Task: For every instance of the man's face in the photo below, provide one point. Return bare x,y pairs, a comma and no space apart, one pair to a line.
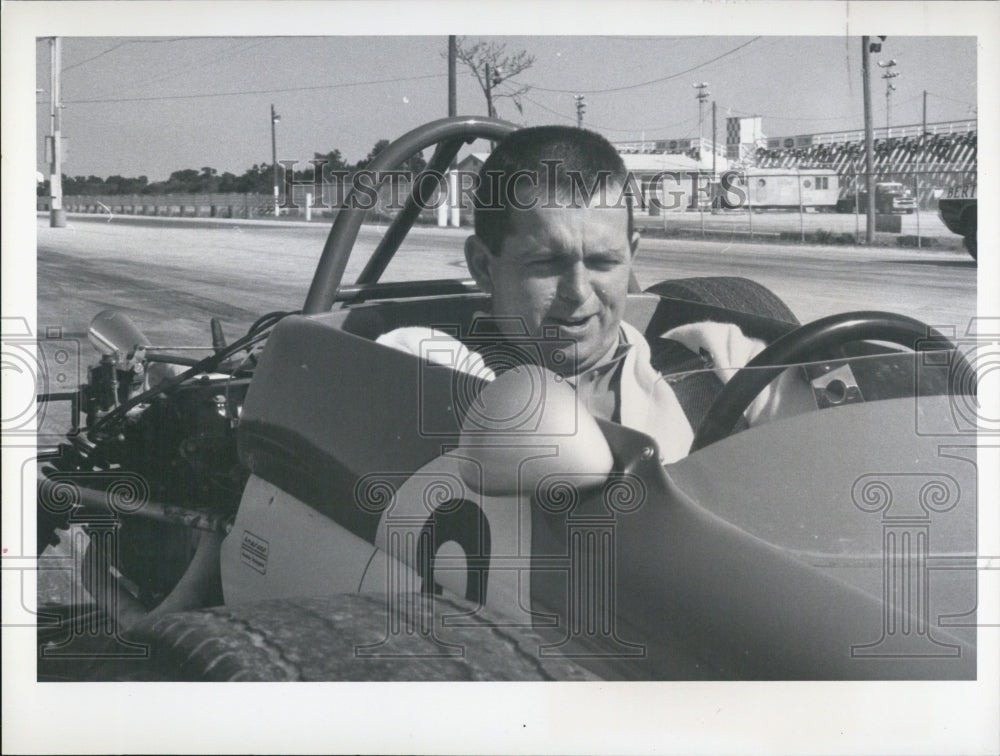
562,267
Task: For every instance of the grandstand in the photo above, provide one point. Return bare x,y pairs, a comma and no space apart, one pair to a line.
943,156
930,158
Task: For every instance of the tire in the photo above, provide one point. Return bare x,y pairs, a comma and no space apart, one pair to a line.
969,222
969,240
757,310
731,292
325,639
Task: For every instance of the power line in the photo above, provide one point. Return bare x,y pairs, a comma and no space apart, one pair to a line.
789,118
594,126
132,42
99,55
651,38
237,48
945,97
547,108
651,81
656,129
755,114
167,40
256,91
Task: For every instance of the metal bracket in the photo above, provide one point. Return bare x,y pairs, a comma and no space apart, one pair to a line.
836,386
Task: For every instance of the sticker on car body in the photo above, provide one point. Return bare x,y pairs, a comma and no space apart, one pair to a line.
253,552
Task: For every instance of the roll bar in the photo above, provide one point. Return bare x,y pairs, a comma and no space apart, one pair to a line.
449,134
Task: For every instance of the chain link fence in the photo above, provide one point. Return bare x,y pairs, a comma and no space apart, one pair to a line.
817,205
809,205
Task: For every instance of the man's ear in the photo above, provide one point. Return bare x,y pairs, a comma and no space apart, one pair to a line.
479,259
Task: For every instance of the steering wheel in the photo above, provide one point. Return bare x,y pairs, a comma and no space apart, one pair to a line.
815,341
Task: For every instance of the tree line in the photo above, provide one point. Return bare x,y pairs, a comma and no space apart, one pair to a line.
258,179
490,63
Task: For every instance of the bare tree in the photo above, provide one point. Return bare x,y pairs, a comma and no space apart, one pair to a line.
492,67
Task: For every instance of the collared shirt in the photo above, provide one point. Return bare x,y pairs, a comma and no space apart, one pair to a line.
624,387
599,388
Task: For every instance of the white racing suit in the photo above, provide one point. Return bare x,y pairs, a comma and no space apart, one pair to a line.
648,403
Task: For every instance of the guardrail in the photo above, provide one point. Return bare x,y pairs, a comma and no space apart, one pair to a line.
179,205
231,205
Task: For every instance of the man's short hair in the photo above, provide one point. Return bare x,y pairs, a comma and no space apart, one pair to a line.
579,159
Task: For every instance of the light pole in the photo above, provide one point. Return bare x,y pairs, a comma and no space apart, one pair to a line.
889,75
702,97
581,106
494,77
452,94
868,47
57,215
274,159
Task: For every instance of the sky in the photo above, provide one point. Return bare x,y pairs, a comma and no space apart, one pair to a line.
152,105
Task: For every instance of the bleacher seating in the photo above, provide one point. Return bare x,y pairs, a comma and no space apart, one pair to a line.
934,161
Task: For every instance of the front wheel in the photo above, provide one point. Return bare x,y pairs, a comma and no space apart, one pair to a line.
970,244
346,637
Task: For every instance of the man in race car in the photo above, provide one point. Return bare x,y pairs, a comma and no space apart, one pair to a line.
553,246
557,264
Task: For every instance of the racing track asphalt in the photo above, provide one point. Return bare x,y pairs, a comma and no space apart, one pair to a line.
173,275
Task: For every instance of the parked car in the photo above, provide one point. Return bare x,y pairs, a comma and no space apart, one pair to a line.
957,208
368,534
890,197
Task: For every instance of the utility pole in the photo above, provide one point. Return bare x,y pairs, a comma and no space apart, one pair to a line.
274,158
493,78
924,119
57,215
581,106
869,143
489,91
452,97
714,137
889,89
452,208
702,98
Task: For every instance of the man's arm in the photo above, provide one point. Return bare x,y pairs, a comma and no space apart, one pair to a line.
438,347
729,350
